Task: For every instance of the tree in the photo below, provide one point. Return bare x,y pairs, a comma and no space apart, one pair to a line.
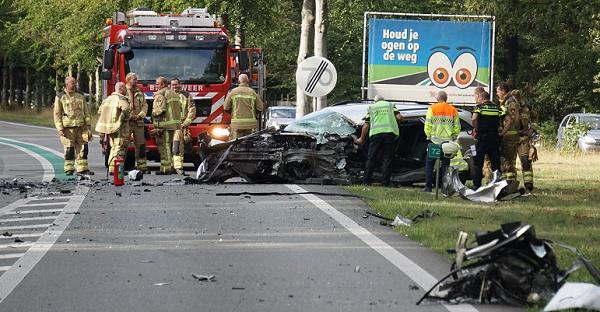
308,16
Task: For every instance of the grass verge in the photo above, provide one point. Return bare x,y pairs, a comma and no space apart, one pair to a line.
565,208
36,117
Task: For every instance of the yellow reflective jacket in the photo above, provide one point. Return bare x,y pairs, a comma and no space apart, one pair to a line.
166,110
70,110
114,113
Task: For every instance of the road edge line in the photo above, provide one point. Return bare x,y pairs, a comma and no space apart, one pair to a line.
399,260
46,165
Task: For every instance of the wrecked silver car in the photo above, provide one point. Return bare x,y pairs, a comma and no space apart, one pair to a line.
318,148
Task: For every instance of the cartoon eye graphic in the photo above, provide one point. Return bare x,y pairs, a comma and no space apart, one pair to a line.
439,69
464,70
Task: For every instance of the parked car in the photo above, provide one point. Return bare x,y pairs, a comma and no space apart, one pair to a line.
320,148
587,142
279,116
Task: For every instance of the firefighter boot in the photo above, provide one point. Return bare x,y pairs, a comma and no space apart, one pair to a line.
69,160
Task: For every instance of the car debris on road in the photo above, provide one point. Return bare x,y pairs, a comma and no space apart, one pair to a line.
510,266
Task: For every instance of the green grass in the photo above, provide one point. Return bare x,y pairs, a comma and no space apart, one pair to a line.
28,116
42,117
565,208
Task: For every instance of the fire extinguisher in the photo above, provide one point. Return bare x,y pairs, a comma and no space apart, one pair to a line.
119,171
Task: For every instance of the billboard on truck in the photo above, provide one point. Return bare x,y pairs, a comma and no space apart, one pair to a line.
412,59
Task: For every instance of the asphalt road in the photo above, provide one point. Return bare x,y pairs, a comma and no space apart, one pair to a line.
96,247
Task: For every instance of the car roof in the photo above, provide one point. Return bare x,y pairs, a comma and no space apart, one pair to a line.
584,114
283,107
356,110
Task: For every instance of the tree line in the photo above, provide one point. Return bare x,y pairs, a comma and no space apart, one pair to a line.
548,49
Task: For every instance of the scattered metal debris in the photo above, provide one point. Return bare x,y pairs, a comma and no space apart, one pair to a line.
374,214
496,189
510,265
357,269
160,284
575,296
204,278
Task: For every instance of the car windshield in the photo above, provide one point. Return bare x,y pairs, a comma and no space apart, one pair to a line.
283,113
322,122
189,65
592,121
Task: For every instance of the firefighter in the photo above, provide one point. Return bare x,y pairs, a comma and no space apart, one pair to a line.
138,110
166,113
72,120
441,124
526,150
511,126
486,129
182,136
243,104
114,121
381,124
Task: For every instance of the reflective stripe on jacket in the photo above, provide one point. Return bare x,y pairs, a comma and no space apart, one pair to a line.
114,112
166,110
442,123
382,119
70,110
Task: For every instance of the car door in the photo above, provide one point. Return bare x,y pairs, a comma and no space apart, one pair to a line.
568,120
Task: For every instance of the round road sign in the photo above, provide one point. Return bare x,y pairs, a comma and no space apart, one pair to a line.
316,76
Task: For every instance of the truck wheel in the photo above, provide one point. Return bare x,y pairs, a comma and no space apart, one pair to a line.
130,160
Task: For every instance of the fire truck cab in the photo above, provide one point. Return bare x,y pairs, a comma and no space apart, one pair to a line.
190,46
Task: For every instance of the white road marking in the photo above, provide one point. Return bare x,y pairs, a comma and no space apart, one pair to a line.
403,263
51,197
11,256
23,227
27,219
47,149
16,245
4,268
20,212
22,235
33,205
11,278
46,165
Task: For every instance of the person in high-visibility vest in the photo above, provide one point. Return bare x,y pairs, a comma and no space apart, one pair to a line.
381,126
188,113
166,113
243,104
114,121
441,124
72,120
138,110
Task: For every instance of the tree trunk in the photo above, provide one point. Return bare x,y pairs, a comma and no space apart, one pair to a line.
27,88
5,81
11,84
90,88
70,71
38,95
56,82
308,7
78,78
321,13
98,87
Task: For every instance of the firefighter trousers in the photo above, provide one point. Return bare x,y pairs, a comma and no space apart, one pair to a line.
179,147
509,156
118,147
164,141
76,149
526,164
140,145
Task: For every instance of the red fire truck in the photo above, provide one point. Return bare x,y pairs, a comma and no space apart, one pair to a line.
191,46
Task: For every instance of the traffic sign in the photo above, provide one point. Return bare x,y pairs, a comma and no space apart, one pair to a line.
316,76
434,151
